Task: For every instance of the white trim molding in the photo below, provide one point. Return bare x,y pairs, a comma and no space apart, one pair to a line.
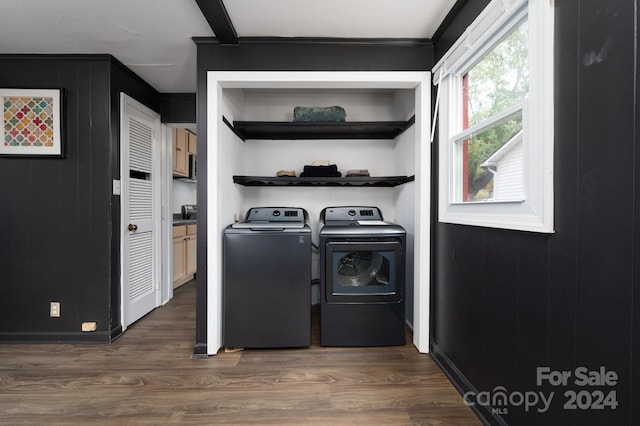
219,182
534,212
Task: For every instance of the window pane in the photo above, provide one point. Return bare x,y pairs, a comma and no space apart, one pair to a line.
490,163
499,80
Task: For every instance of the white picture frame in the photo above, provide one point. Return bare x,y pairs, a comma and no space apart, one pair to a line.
31,122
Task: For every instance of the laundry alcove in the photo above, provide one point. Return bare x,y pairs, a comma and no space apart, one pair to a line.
402,163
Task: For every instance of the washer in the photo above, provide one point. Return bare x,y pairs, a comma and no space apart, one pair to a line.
267,279
362,278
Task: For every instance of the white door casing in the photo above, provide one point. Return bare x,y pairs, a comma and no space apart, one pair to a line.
140,209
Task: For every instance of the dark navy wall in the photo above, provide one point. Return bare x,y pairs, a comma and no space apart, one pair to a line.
178,107
285,55
59,223
507,302
457,20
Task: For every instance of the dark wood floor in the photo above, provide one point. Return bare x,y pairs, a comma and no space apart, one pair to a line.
148,377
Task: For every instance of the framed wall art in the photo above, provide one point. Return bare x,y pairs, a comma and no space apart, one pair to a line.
31,122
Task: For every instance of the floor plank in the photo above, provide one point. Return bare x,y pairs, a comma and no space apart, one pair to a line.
148,377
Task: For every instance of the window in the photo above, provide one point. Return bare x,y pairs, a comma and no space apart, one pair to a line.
494,91
495,96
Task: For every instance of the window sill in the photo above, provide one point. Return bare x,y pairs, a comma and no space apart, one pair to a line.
485,202
510,215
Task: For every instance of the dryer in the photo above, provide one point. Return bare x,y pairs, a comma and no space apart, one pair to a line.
362,278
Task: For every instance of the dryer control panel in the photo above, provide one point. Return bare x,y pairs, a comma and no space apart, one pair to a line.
350,214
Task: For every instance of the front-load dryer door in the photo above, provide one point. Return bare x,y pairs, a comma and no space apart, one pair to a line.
364,272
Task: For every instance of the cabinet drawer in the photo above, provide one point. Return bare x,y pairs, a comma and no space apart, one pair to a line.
192,229
179,231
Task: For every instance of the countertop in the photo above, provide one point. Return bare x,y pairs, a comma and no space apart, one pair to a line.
178,222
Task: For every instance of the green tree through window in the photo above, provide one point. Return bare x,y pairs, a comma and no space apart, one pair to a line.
498,81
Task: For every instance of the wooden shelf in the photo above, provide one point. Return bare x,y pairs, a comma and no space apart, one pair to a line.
383,181
285,130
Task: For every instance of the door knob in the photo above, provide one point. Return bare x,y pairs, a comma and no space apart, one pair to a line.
132,227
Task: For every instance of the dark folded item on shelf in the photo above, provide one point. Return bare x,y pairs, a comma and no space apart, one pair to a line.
319,114
321,171
357,172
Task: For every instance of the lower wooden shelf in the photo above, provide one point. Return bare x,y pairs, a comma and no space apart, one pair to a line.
381,181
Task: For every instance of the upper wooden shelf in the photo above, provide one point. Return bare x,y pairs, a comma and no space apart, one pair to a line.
284,130
379,181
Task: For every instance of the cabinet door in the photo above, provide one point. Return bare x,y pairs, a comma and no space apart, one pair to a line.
179,261
192,143
191,249
180,153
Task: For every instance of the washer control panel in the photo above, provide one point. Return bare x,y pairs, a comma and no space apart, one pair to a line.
275,214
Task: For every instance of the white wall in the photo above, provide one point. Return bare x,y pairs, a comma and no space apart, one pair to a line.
232,150
182,193
360,105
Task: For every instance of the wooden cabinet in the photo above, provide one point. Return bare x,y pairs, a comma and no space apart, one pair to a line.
191,244
180,152
185,243
184,145
179,261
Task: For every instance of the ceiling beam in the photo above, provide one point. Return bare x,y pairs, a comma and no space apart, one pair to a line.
219,21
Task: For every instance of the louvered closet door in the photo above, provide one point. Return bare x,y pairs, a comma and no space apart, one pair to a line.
140,209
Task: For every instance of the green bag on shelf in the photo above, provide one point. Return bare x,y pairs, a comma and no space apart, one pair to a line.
319,114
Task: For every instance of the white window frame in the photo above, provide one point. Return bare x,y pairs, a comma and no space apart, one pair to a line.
535,211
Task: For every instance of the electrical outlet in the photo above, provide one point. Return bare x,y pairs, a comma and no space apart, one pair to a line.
89,326
54,309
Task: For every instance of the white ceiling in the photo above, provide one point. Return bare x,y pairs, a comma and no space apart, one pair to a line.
153,37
